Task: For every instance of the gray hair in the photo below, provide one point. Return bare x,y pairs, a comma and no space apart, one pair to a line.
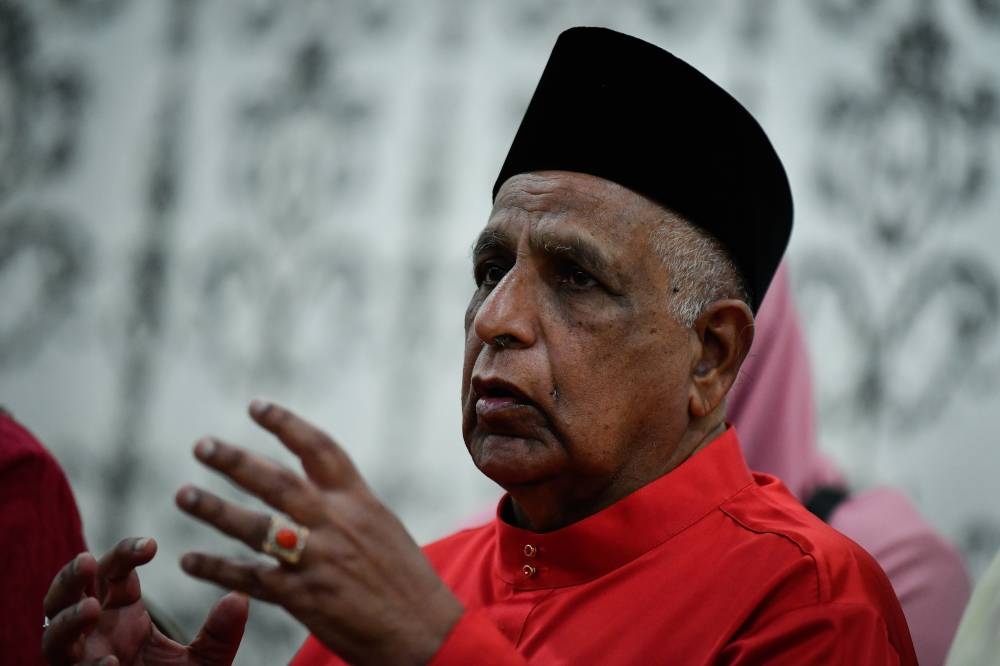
701,270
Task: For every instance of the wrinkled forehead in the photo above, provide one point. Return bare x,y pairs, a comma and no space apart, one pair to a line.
548,198
544,190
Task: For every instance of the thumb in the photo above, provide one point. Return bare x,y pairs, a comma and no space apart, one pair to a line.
220,636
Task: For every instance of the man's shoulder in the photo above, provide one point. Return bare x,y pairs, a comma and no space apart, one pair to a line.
767,507
840,569
814,572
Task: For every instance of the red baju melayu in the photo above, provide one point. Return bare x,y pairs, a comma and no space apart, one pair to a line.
708,564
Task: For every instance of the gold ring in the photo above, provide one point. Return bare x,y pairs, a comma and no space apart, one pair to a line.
285,540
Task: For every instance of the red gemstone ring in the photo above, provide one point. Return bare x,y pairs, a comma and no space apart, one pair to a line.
285,540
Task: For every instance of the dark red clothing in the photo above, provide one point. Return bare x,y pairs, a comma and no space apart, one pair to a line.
709,564
39,533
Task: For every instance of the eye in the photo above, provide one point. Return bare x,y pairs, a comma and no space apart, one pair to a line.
577,278
489,273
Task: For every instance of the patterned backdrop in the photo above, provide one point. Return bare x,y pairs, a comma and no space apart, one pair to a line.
203,202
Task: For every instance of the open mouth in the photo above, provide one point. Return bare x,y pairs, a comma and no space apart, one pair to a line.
494,395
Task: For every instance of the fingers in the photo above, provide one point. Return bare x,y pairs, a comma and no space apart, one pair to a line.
220,636
250,527
278,486
323,460
264,582
61,641
71,583
118,583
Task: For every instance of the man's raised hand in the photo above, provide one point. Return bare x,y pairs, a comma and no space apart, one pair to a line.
360,584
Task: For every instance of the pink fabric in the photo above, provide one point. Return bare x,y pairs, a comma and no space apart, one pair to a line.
772,408
926,571
771,404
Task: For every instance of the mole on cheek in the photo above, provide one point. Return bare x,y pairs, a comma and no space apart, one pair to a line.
554,393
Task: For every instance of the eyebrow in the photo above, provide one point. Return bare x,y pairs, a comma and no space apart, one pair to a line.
489,240
571,246
558,244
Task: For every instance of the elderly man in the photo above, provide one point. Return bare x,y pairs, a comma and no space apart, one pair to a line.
637,220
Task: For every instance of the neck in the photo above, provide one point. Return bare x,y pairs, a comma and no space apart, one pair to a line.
698,437
549,506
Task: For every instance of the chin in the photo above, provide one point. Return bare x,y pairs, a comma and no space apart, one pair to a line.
514,461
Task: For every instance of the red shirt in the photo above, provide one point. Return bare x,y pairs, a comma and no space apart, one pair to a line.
39,533
708,564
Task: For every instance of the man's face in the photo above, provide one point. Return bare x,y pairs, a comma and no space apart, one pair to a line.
576,378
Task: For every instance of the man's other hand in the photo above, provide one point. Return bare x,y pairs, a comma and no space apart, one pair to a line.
97,616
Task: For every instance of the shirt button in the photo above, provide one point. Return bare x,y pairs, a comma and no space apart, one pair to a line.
528,570
530,551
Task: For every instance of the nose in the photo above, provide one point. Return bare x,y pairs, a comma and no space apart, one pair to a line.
508,316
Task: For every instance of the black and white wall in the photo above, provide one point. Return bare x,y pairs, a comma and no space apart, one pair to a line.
203,202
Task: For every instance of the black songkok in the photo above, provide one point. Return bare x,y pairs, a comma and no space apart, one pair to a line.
614,106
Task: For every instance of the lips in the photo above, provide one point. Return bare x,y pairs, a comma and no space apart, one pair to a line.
496,397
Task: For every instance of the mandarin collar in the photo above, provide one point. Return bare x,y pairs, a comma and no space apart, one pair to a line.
630,527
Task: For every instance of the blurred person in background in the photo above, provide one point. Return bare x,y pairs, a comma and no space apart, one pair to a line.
772,408
39,532
637,221
977,640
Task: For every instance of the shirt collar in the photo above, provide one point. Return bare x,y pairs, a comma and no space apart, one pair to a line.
628,528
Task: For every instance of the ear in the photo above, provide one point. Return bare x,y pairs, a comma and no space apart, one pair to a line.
724,332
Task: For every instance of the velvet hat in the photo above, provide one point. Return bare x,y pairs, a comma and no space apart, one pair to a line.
620,108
